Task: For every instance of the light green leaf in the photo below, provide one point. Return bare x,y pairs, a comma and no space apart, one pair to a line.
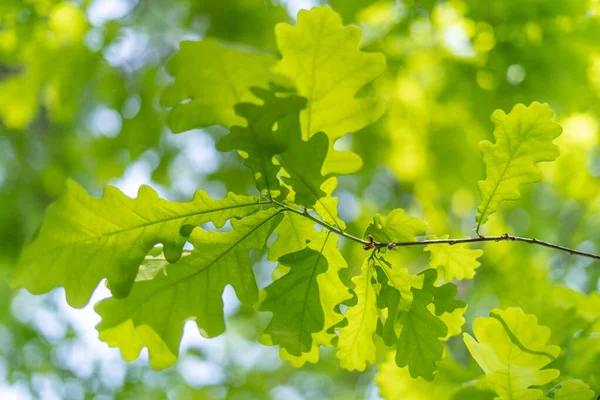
293,234
84,239
259,140
396,227
453,261
192,288
210,78
355,345
322,57
511,349
571,389
327,207
523,138
419,345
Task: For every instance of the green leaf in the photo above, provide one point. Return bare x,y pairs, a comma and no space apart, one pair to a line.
453,261
84,239
294,301
294,233
322,57
419,345
396,227
571,389
331,292
259,140
155,311
355,345
523,138
210,78
443,296
511,349
327,207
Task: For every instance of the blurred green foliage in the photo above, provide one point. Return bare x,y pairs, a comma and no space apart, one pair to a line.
80,93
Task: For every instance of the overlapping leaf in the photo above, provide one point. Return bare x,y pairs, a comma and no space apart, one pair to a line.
210,78
322,57
453,261
155,311
85,239
331,292
260,141
523,138
572,389
511,349
355,346
420,343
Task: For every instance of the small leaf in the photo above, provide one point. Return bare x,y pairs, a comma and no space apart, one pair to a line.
571,389
453,261
355,346
85,239
192,288
443,296
511,349
210,78
396,227
523,138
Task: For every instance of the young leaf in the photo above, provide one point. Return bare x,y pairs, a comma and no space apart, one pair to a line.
511,349
355,345
85,239
443,296
419,345
523,138
571,389
453,261
294,300
259,140
396,227
322,57
331,292
213,77
192,288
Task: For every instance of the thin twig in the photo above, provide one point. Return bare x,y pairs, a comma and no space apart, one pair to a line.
373,244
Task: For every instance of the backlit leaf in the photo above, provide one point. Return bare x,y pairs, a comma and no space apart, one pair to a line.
523,138
192,288
85,239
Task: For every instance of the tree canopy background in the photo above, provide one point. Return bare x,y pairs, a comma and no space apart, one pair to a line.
80,84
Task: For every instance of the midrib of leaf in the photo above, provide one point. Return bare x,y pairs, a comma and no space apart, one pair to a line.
310,284
313,76
228,79
362,318
515,340
511,159
206,267
103,235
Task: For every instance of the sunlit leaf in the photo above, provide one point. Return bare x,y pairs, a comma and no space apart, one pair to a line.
355,346
396,227
85,239
192,288
210,78
511,349
455,261
523,138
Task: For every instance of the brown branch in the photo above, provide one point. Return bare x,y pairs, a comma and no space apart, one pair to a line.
373,244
